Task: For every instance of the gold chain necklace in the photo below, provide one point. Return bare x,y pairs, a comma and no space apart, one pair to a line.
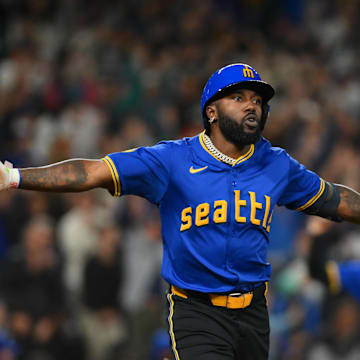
217,153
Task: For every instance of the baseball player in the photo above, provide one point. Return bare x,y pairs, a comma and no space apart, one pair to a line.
216,193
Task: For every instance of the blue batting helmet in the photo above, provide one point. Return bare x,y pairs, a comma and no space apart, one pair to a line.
235,75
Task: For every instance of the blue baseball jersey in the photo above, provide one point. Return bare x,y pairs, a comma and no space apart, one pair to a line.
215,217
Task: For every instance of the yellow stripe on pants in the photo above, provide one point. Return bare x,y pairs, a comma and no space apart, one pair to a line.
171,325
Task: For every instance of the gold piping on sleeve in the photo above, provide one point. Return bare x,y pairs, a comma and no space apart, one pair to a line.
314,198
332,272
114,174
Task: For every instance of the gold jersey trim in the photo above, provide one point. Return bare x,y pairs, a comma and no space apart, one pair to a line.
246,156
114,174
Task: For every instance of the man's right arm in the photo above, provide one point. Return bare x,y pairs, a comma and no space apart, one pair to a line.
73,175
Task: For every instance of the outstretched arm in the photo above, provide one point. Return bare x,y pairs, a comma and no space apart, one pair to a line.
73,175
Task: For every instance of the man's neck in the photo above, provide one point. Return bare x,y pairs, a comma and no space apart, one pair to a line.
227,147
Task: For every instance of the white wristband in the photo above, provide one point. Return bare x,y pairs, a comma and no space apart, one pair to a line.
14,178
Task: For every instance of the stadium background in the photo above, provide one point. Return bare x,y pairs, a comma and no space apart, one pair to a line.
84,78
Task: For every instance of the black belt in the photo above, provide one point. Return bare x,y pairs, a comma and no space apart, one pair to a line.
234,300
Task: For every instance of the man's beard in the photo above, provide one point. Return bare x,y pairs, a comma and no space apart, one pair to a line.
234,132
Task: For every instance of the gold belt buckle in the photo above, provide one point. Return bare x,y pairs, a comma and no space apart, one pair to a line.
239,300
234,299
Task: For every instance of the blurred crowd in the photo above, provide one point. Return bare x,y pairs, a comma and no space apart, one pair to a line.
80,273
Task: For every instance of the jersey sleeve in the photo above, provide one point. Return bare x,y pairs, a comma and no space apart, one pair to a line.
142,171
303,188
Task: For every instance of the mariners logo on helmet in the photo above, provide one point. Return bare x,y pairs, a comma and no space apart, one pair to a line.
235,75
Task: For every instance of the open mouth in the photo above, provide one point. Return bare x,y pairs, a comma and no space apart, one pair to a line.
251,122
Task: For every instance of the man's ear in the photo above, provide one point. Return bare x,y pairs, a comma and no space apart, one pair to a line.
211,111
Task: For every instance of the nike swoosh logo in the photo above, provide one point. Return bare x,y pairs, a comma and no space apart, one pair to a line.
194,171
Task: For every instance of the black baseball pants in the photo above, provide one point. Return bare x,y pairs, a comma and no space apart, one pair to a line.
202,331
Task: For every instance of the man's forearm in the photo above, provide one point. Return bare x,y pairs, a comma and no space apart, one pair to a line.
66,176
349,207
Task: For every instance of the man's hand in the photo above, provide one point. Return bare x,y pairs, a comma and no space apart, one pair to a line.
9,177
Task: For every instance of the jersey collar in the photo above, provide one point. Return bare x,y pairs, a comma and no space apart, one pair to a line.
238,161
